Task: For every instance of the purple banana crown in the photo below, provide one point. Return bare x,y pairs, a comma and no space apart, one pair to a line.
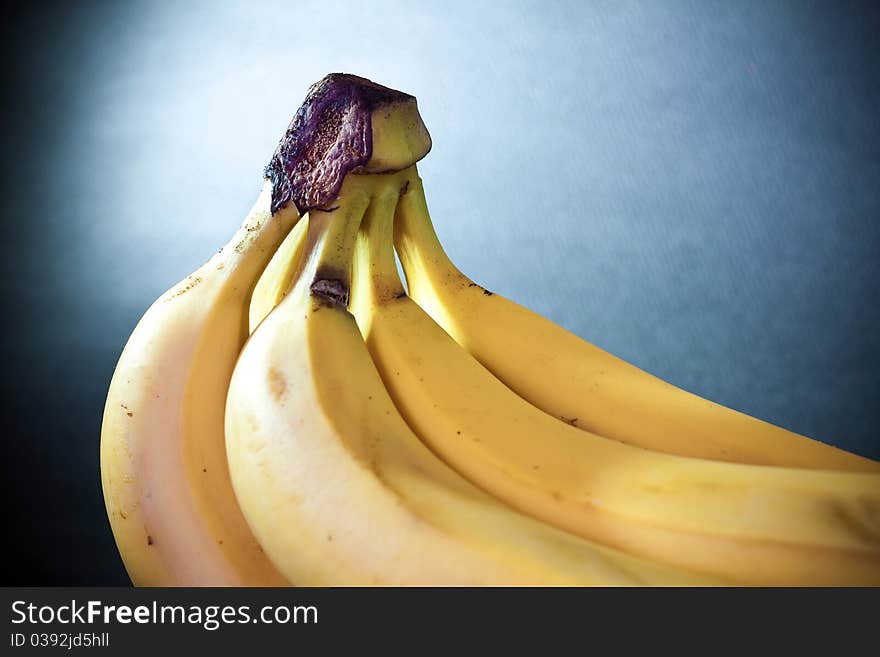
330,136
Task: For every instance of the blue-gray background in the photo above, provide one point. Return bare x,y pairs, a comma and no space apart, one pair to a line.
694,186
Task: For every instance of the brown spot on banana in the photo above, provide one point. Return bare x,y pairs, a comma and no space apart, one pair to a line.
333,291
277,383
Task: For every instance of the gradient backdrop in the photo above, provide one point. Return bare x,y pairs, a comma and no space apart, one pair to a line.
694,186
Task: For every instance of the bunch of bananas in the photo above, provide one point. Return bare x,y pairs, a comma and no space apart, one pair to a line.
293,413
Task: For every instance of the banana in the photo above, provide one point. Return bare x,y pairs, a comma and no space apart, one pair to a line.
257,433
279,275
580,383
163,462
333,483
745,523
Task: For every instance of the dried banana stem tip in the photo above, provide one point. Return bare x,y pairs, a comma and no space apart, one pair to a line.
346,124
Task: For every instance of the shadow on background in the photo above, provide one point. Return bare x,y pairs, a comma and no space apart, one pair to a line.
694,186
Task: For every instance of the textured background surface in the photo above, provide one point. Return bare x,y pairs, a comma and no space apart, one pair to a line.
694,186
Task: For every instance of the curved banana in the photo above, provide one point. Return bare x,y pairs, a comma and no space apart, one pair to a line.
750,524
580,383
405,461
334,484
163,460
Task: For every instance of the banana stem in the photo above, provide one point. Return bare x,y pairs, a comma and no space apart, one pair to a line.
331,243
376,280
385,283
415,238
